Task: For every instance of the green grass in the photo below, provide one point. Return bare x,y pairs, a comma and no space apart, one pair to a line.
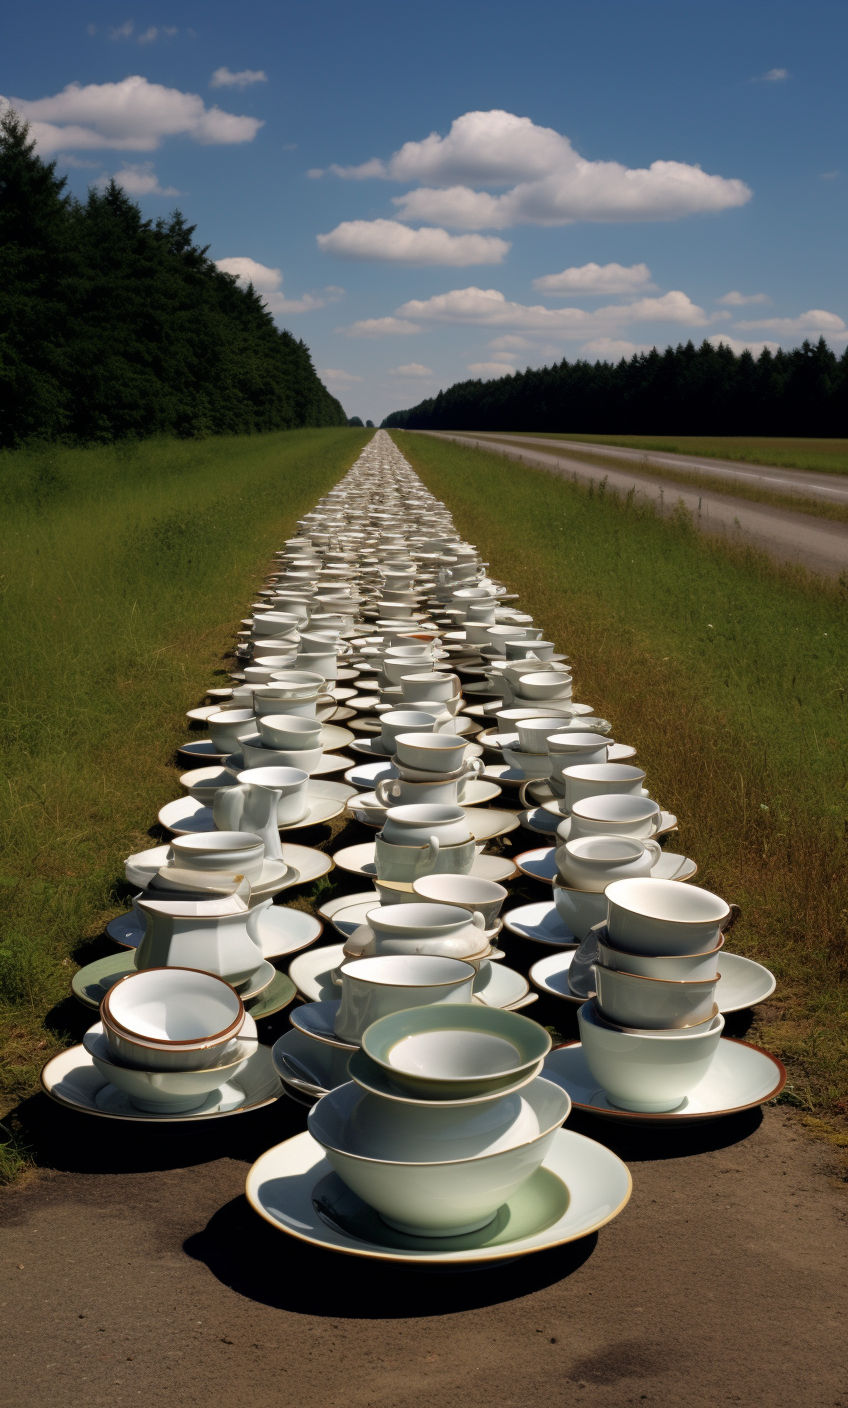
826,456
125,570
731,677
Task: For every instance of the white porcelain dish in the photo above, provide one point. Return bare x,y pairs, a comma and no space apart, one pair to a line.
311,972
540,923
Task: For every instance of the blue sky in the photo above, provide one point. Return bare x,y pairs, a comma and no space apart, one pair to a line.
428,193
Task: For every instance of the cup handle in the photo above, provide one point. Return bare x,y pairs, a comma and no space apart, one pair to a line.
456,687
432,854
478,920
735,913
655,848
386,789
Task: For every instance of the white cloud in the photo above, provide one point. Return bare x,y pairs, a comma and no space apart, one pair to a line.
76,162
612,349
149,36
775,75
489,370
340,377
268,283
597,278
512,342
397,244
138,180
224,78
490,308
121,31
411,369
734,299
503,357
552,184
132,115
829,175
380,327
814,321
739,346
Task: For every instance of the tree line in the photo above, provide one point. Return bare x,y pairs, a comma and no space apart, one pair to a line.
112,326
685,390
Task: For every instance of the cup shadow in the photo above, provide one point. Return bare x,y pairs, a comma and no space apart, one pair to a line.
638,1145
246,1254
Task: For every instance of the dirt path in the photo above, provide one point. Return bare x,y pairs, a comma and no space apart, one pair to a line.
820,544
137,1273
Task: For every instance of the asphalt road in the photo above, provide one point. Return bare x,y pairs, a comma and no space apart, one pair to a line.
819,544
833,488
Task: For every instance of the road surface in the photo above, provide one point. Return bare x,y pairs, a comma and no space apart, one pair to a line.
819,544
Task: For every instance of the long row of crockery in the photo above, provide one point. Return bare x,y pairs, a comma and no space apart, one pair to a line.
436,1106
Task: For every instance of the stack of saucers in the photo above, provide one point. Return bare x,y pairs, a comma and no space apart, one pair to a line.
653,1029
445,1117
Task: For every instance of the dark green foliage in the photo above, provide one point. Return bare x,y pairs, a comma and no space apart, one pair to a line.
683,391
369,425
114,327
355,420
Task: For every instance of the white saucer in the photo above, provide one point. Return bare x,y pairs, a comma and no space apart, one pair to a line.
312,1067
331,907
276,875
539,820
541,865
310,972
72,1079
315,1020
742,984
203,748
740,1077
282,930
366,808
359,860
668,821
202,714
325,800
484,711
365,776
580,1187
504,776
370,748
540,923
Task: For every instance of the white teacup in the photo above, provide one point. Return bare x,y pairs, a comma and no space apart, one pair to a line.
256,755
664,917
396,721
374,987
407,863
465,892
435,687
595,779
647,1071
431,752
529,649
572,749
396,792
615,814
289,731
580,910
593,862
291,783
227,726
238,852
417,825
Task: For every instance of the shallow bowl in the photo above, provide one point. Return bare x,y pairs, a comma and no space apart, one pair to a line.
465,1049
174,1019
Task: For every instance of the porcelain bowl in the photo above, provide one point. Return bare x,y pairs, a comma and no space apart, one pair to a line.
464,892
430,752
594,779
461,1050
648,1072
479,1164
580,910
677,967
629,1000
163,1092
656,917
613,814
171,1019
204,791
282,731
242,852
546,684
414,825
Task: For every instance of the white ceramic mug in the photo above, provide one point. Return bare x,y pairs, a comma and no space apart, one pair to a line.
596,779
433,686
417,825
237,852
614,814
593,862
374,987
395,721
227,726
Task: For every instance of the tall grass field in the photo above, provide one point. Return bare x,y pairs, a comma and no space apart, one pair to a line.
731,679
125,570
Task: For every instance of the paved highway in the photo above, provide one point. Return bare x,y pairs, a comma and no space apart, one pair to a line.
818,544
831,487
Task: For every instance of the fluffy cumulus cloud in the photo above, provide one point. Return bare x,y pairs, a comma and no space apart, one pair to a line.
489,307
816,322
551,184
380,327
393,243
225,78
487,370
132,115
775,75
339,377
612,349
597,279
269,284
138,179
411,369
738,345
735,299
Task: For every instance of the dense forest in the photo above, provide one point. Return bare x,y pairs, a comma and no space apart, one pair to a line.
687,390
113,326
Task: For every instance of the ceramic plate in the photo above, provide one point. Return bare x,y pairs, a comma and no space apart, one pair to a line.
739,1077
276,875
72,1079
541,865
202,714
341,692
90,983
365,776
332,907
203,751
219,694
315,1020
484,711
310,1067
366,808
485,823
342,713
325,800
370,748
310,972
510,779
537,819
377,1080
282,930
579,1188
540,923
742,984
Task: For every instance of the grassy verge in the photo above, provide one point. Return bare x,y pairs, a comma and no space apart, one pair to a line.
826,456
731,677
125,570
695,479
